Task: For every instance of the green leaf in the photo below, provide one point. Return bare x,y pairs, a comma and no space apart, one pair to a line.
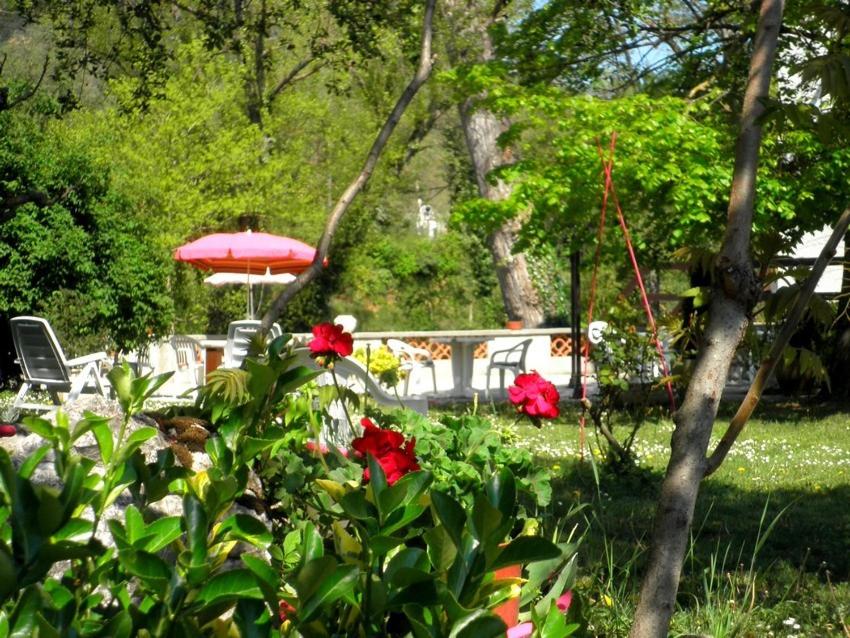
247,528
488,522
23,620
250,446
8,575
103,435
120,625
32,461
501,492
121,379
312,574
195,526
381,544
451,515
410,558
261,569
338,585
526,549
356,506
479,624
441,549
150,569
231,585
312,546
40,426
161,533
138,437
377,480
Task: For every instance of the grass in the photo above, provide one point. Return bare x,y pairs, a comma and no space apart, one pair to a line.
770,554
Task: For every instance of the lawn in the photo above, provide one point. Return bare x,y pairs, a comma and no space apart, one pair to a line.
791,465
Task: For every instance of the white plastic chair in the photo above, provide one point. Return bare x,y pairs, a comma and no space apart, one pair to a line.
190,357
412,358
43,363
239,334
348,322
508,360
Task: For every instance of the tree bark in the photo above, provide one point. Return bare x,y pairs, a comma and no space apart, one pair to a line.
354,188
733,297
481,129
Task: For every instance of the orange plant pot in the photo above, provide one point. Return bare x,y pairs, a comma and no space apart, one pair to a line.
514,325
508,611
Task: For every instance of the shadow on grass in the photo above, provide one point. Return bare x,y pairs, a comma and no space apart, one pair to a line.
812,535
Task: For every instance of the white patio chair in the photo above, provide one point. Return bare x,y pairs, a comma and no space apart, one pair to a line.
508,360
190,357
239,335
412,359
43,364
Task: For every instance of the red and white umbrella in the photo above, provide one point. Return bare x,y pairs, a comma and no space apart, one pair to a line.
248,257
247,252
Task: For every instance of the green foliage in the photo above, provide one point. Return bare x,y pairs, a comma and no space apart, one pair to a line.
421,283
460,452
447,587
67,238
627,371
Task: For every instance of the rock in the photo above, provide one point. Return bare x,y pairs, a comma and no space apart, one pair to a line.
184,435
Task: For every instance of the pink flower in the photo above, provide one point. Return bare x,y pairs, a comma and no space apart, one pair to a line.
534,396
331,341
526,629
522,630
565,601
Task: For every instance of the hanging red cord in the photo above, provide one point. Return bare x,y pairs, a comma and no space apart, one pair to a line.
608,190
592,298
662,360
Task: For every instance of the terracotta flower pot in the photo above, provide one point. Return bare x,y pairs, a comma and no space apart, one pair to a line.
514,325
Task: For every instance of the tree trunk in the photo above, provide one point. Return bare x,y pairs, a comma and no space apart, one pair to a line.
733,297
481,129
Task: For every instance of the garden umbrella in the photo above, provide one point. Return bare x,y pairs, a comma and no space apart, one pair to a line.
247,254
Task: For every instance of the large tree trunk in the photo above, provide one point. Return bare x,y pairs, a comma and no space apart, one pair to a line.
734,295
481,129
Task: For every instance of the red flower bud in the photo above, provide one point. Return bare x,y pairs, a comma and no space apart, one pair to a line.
7,429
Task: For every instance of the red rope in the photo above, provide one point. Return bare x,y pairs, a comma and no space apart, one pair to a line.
607,167
593,283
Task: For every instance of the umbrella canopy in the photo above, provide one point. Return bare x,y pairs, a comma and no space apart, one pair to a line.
247,252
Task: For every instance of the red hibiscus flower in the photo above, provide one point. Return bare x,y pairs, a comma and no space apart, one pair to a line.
395,457
534,396
376,441
396,463
331,341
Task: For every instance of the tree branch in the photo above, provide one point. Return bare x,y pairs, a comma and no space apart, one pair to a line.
290,77
345,200
8,104
748,405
